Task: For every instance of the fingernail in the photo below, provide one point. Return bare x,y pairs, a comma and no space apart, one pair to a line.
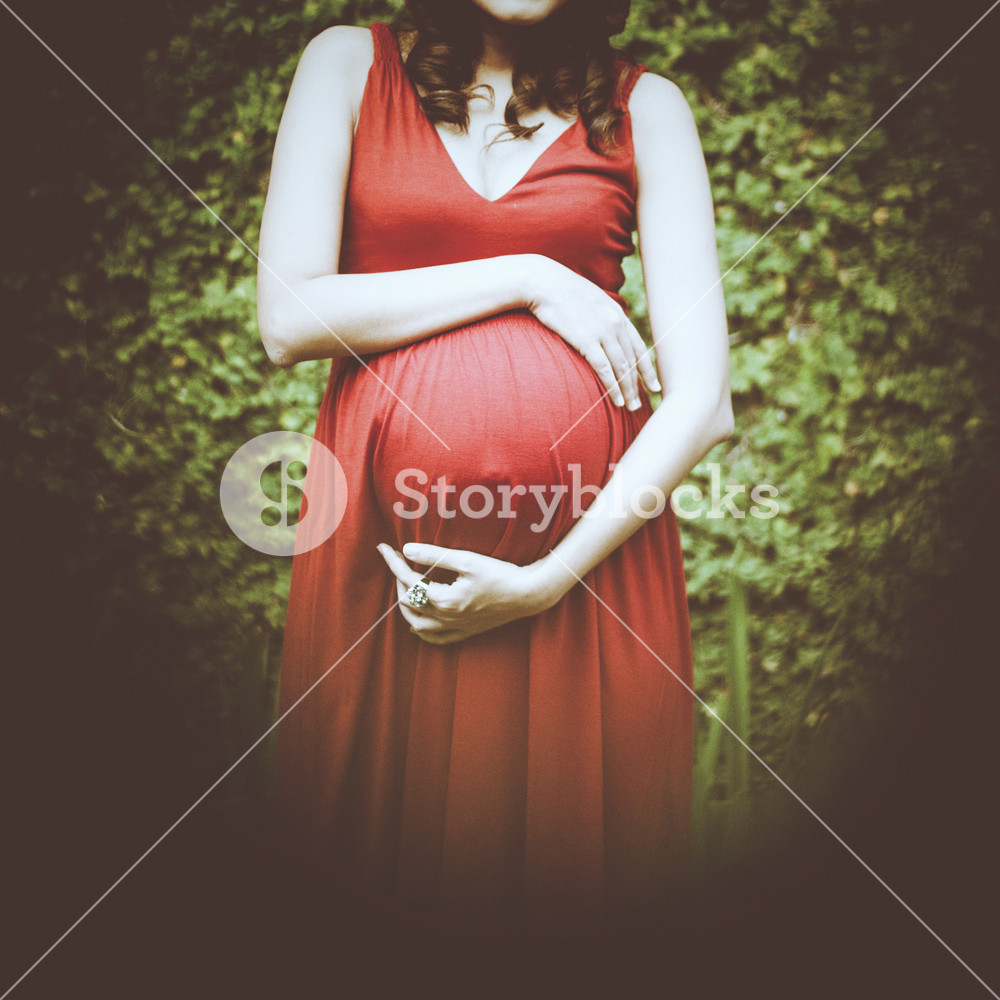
634,404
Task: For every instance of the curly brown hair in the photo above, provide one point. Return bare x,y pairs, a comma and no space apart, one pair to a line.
565,62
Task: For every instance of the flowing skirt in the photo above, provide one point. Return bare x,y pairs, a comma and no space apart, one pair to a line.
541,771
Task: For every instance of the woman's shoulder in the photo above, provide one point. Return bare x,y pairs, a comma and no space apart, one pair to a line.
665,140
341,47
337,60
653,94
657,106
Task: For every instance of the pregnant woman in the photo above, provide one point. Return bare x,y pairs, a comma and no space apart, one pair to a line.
506,733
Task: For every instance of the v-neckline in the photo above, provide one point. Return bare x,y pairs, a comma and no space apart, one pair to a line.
443,149
521,180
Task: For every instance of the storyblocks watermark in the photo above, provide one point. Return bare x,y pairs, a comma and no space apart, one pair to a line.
264,488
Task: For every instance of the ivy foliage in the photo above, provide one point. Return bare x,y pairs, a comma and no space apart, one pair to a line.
855,244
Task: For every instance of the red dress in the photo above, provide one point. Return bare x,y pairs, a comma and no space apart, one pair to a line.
539,772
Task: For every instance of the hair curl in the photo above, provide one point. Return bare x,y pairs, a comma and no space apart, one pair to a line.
565,62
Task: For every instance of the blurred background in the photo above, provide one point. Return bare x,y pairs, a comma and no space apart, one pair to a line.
849,638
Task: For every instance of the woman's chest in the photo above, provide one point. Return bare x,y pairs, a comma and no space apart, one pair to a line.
408,204
491,161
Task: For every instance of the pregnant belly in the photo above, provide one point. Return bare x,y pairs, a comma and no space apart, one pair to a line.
491,437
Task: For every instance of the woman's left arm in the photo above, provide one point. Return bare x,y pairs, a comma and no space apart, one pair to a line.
687,316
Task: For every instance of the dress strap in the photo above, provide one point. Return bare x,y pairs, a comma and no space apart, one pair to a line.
628,74
386,49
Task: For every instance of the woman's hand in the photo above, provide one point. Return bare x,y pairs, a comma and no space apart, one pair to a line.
487,593
588,319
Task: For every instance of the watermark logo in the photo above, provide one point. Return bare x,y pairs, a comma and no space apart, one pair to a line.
764,505
477,501
265,493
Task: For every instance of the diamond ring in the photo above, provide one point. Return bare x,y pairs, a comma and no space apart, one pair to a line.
416,596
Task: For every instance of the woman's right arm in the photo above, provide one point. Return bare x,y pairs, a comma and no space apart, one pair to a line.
307,311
